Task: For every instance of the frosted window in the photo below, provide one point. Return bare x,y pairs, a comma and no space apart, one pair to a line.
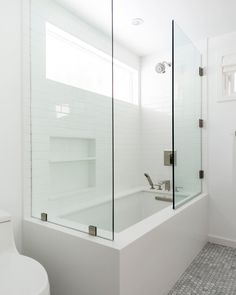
75,63
229,80
235,82
229,75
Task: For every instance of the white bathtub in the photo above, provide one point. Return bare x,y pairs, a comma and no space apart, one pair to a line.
145,258
129,210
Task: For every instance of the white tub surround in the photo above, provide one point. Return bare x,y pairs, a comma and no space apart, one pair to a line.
146,258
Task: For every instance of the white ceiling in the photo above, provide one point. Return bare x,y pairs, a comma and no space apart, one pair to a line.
198,18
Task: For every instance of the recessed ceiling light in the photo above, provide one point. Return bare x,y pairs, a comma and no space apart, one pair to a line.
137,21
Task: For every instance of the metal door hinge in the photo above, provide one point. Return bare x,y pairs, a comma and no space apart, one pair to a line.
201,123
172,159
201,72
44,217
201,174
92,230
169,158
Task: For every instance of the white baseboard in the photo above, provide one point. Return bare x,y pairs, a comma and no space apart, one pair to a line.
222,241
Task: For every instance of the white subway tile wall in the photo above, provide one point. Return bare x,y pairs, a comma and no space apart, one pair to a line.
155,117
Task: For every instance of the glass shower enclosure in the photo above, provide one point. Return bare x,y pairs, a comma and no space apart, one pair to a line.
99,120
71,119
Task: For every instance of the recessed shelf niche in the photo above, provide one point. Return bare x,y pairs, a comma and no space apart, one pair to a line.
72,165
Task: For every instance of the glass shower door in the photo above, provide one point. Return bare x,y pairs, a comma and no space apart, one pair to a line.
72,115
187,108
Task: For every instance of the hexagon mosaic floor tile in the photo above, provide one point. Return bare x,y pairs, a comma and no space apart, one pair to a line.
213,272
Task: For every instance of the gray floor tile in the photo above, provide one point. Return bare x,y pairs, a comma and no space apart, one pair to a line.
213,272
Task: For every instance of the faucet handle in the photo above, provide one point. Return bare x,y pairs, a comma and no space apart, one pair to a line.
164,182
167,185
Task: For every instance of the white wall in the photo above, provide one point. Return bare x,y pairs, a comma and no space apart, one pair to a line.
10,105
222,146
155,117
128,140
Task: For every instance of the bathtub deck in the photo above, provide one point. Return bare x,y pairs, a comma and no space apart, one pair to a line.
213,272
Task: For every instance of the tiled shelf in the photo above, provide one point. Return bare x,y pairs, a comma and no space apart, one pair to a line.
72,160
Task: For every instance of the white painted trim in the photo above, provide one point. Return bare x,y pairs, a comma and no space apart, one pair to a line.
222,241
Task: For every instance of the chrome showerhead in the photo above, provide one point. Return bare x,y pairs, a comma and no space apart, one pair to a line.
160,68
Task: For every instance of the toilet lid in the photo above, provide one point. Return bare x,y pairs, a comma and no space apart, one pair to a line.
20,275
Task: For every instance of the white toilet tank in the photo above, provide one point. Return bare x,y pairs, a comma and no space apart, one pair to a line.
7,242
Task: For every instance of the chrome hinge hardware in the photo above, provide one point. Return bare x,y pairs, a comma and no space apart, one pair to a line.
201,72
201,174
92,230
44,217
201,123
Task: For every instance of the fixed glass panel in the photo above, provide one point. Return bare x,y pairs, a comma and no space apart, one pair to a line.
142,114
71,114
187,100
